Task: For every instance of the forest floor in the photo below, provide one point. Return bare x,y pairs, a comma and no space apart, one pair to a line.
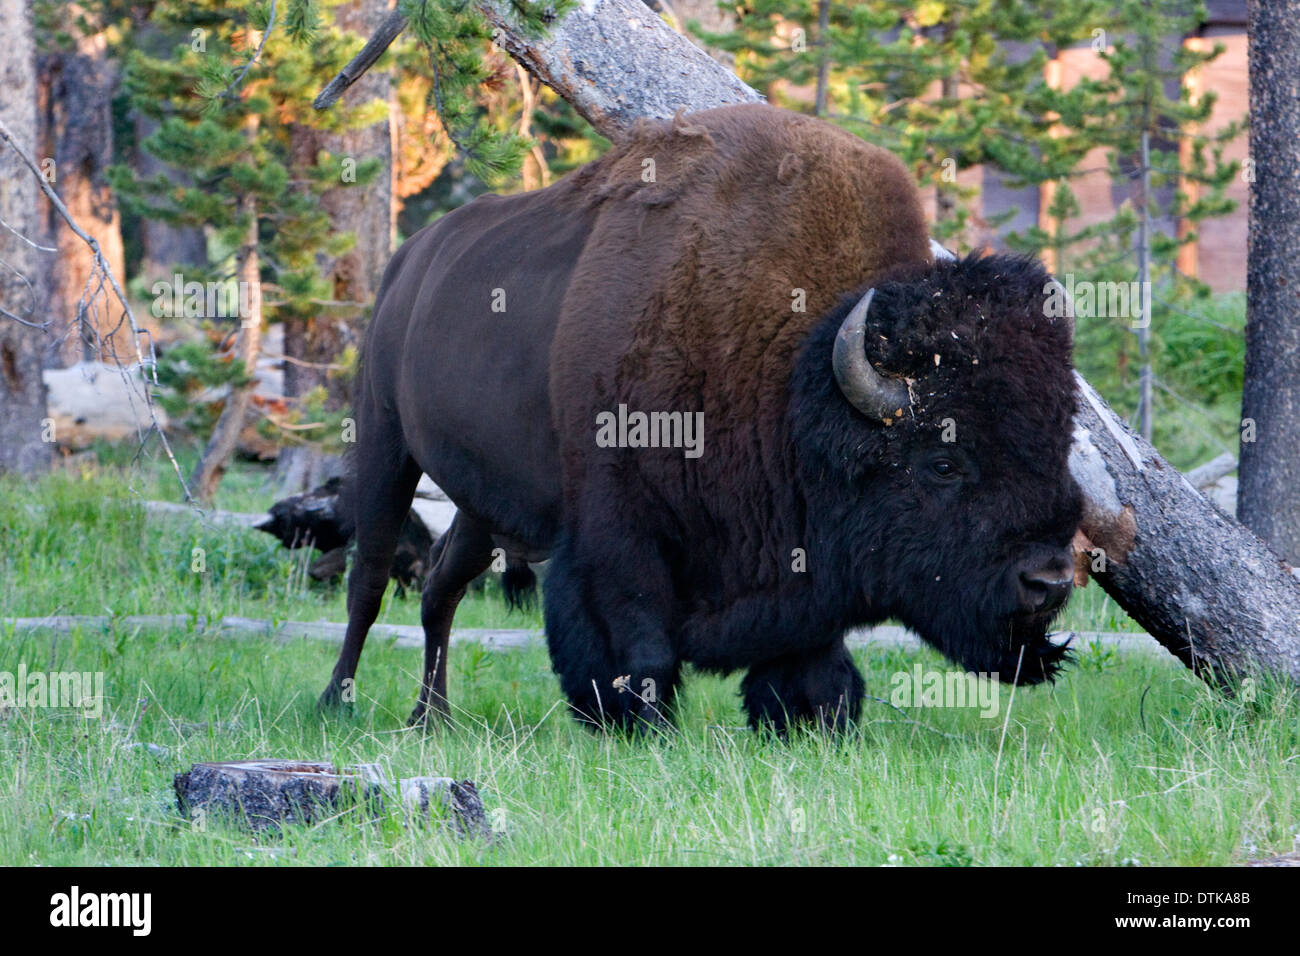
1127,760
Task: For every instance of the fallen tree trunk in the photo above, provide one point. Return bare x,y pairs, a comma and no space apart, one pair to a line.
1199,582
402,635
1205,476
412,635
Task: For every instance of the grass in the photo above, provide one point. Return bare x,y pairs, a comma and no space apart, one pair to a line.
1127,760
82,543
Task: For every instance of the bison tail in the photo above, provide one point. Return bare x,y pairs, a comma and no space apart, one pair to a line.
519,584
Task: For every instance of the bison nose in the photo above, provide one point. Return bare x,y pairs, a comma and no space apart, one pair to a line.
1044,590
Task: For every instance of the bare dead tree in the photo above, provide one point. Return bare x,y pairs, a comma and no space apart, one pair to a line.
1268,499
22,330
312,344
76,134
225,434
146,360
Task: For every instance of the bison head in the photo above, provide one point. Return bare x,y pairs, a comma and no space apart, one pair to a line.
931,417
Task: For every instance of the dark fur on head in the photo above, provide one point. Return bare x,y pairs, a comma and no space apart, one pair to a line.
991,371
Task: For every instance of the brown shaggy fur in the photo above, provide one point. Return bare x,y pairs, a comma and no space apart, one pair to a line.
749,204
685,296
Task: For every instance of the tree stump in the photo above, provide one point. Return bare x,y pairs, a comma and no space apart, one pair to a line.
457,799
264,794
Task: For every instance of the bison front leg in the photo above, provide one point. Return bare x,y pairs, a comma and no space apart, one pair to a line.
786,682
821,686
605,628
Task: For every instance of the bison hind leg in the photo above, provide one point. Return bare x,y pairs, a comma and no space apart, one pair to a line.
821,687
382,486
462,553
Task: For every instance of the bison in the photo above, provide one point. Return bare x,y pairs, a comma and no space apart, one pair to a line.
719,377
322,519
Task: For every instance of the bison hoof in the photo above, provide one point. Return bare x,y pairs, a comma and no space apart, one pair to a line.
426,717
651,721
331,702
641,722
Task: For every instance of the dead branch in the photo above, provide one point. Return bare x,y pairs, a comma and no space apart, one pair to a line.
148,366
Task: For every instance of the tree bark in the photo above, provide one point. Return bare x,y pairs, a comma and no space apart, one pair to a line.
1196,580
225,435
823,57
615,61
77,134
22,282
369,212
1268,495
265,794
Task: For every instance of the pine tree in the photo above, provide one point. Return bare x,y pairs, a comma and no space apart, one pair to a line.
945,84
1148,121
455,39
225,102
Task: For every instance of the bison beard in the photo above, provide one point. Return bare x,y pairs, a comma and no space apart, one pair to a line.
718,287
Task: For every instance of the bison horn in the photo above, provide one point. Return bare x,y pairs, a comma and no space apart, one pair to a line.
1069,303
866,389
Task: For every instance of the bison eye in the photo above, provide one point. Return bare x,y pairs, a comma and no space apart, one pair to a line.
944,468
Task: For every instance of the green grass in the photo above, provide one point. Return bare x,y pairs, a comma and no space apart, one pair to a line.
1128,759
82,543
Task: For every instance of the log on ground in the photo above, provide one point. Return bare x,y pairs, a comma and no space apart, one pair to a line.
262,795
